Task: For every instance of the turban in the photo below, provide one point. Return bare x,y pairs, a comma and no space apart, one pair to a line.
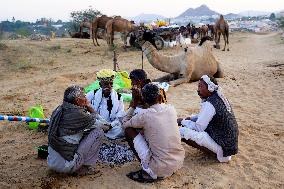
105,74
150,92
213,87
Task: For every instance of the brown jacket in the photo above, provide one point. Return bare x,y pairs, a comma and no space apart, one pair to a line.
159,123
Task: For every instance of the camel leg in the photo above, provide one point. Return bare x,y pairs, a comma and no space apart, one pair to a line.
125,41
179,81
93,36
218,41
224,36
166,78
96,37
227,42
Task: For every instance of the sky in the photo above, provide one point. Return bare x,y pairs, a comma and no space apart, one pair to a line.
30,10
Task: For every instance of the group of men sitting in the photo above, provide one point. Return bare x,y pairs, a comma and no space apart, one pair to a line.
150,126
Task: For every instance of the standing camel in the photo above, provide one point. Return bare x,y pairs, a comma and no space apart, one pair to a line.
187,65
222,27
119,25
203,31
85,24
211,28
99,22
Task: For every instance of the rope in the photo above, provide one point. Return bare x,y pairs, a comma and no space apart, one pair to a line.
22,118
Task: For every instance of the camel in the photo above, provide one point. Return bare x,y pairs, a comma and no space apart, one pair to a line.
99,22
119,25
211,28
203,31
188,65
85,24
83,35
222,27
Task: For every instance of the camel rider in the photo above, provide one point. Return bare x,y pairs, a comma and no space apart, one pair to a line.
108,103
215,128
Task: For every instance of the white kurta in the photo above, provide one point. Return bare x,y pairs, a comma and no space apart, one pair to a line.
99,103
194,130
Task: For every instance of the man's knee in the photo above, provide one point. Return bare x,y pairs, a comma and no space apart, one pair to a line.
130,133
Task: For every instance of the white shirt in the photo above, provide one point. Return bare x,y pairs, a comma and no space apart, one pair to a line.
203,118
194,130
102,109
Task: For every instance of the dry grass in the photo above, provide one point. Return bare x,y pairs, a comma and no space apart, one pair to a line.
3,46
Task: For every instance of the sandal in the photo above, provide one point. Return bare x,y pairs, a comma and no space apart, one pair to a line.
141,176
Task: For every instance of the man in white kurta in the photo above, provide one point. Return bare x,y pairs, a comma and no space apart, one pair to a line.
215,127
108,103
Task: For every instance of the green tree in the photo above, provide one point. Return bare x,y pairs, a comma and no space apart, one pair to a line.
23,31
280,22
272,17
87,15
83,15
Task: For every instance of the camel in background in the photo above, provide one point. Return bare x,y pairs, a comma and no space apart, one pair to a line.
187,65
211,28
203,31
121,25
99,22
85,24
222,27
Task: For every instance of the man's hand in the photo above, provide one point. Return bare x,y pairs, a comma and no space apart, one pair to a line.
106,128
188,118
179,121
136,97
89,108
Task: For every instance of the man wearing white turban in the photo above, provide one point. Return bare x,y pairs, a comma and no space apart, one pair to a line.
215,128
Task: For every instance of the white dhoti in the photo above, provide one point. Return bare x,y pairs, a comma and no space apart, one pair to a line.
144,154
203,139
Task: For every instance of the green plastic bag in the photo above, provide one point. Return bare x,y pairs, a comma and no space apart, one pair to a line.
121,81
93,86
35,112
126,97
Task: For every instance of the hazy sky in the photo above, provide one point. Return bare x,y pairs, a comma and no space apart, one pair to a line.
30,10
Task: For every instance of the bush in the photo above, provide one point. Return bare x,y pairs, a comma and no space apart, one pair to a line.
55,47
280,22
23,32
3,46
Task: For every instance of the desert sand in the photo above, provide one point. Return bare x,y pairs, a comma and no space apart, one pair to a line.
34,72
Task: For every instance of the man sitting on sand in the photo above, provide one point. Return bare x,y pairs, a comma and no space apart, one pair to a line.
71,149
215,128
138,81
108,103
137,105
160,151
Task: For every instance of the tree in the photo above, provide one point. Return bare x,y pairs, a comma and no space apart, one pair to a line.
87,15
83,15
280,22
272,17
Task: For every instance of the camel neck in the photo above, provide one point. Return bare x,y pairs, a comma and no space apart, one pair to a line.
158,60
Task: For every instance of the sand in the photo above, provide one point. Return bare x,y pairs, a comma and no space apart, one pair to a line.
33,72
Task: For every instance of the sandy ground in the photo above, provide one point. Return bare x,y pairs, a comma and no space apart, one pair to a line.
33,72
